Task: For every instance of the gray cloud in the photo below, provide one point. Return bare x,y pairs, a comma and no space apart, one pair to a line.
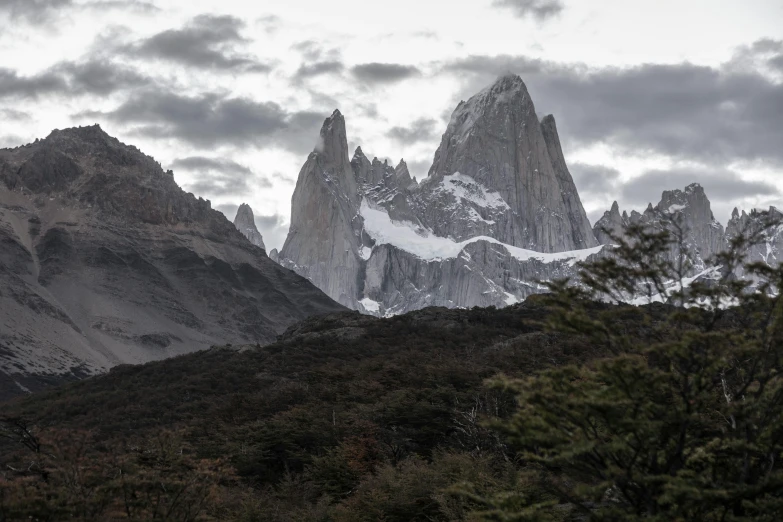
13,85
384,72
318,69
204,164
211,177
720,185
206,42
273,229
538,9
11,140
594,179
419,168
14,115
100,77
710,114
217,184
423,129
210,120
33,11
72,79
313,51
127,5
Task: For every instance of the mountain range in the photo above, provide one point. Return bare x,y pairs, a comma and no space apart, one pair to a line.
106,261
497,214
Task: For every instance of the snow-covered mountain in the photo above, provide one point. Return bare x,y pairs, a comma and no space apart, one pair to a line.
497,212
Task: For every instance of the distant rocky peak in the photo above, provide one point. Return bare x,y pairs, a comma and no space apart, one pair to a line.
87,132
246,223
403,174
333,145
507,96
692,200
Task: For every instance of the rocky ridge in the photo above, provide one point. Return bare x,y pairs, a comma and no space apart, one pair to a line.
105,261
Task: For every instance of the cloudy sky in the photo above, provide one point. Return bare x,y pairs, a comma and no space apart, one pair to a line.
648,95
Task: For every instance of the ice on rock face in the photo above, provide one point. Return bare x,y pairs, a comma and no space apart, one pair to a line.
465,187
425,245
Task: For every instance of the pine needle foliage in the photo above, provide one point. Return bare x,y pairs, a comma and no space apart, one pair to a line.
684,421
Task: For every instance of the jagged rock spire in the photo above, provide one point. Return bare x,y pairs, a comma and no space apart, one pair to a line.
324,237
496,139
246,223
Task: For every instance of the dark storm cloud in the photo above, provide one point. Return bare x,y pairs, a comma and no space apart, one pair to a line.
423,129
206,42
777,63
720,185
594,179
710,114
538,9
318,69
33,11
210,120
384,72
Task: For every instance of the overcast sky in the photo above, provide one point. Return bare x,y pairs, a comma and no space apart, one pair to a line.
648,94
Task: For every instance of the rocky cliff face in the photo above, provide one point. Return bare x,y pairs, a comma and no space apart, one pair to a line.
686,210
245,222
770,251
497,213
496,140
324,241
105,260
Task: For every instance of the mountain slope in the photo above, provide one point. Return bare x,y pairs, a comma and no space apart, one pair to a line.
107,261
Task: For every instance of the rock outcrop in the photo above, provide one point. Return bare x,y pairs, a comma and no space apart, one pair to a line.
497,213
324,240
684,212
770,248
105,261
246,223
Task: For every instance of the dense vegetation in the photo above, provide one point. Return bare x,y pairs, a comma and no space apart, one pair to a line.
604,412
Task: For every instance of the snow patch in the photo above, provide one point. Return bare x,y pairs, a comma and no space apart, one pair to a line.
675,208
425,245
465,187
365,253
370,305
